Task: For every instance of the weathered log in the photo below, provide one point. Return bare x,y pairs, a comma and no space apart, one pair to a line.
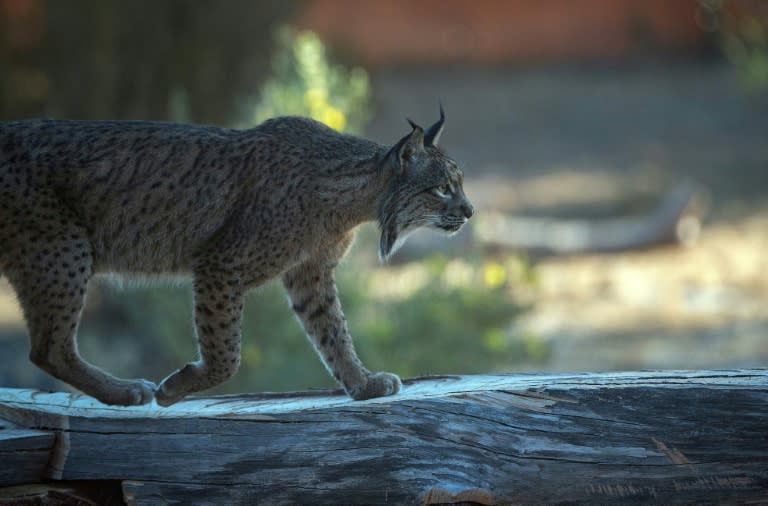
671,437
23,454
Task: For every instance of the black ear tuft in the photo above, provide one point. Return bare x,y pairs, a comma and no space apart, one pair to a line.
432,136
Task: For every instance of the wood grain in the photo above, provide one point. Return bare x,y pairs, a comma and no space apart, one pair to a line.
673,437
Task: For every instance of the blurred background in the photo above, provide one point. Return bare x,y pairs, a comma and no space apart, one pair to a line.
616,152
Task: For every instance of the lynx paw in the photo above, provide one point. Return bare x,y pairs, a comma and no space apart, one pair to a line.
380,384
165,398
166,395
128,393
177,385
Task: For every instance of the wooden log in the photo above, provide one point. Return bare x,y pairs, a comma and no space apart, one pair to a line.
671,437
24,454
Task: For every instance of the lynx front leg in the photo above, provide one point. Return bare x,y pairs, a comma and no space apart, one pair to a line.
218,313
315,300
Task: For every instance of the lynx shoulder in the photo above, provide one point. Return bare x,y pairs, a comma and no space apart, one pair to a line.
233,208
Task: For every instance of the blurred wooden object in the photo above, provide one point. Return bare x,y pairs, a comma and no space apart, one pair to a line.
629,438
670,223
675,220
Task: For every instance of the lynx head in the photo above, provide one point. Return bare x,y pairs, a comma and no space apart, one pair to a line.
425,189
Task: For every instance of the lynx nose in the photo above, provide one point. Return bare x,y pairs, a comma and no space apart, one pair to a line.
467,209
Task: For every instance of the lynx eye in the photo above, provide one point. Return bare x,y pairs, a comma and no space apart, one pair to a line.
442,191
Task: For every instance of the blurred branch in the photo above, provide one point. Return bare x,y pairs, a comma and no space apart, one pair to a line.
675,220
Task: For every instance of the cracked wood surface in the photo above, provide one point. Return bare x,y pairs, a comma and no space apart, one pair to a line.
635,437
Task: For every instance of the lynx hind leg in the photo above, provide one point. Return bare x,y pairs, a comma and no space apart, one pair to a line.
218,313
50,273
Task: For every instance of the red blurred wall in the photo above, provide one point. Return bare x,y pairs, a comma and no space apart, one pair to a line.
501,31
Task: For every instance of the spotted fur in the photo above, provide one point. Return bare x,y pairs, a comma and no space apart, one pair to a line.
234,208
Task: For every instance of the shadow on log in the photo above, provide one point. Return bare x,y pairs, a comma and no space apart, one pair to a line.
670,437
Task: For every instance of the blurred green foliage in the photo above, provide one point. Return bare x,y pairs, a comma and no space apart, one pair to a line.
747,48
442,327
742,29
305,82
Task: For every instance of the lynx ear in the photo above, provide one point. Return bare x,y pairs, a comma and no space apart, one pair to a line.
406,149
412,146
432,136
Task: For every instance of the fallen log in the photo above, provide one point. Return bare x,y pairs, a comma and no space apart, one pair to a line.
670,437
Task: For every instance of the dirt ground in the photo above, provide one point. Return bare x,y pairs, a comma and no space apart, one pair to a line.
702,306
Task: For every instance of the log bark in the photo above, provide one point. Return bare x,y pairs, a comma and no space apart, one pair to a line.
670,437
